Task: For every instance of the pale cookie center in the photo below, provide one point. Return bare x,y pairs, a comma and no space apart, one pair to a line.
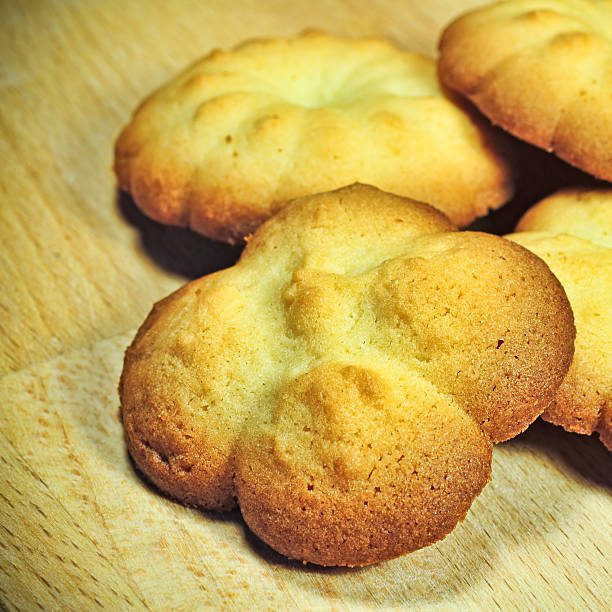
347,422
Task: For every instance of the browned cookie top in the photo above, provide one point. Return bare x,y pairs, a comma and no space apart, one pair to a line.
541,70
344,381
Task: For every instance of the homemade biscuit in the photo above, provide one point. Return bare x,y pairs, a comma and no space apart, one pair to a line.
572,232
230,140
343,383
541,70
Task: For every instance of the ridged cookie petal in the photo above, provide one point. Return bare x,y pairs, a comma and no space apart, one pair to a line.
359,465
229,141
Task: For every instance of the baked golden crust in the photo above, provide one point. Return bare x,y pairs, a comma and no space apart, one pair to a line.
572,231
362,475
229,141
541,70
343,383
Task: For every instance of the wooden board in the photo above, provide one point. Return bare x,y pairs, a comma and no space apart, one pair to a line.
80,267
80,526
79,262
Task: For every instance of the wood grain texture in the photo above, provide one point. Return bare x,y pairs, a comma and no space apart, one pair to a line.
73,267
80,267
80,528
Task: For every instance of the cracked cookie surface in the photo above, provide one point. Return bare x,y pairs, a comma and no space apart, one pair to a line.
345,381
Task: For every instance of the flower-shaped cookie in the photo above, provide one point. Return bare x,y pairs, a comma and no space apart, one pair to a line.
343,383
541,70
229,141
572,231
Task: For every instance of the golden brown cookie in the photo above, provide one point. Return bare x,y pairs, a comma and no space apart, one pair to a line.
229,141
541,70
572,232
343,383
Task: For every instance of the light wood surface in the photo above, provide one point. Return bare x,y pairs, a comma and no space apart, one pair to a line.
80,267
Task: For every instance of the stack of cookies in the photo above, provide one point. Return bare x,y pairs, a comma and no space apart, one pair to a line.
343,384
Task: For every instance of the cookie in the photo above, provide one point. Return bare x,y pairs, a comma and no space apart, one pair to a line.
572,231
229,141
345,381
541,70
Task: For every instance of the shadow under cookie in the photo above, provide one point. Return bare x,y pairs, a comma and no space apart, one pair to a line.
582,457
539,174
175,249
